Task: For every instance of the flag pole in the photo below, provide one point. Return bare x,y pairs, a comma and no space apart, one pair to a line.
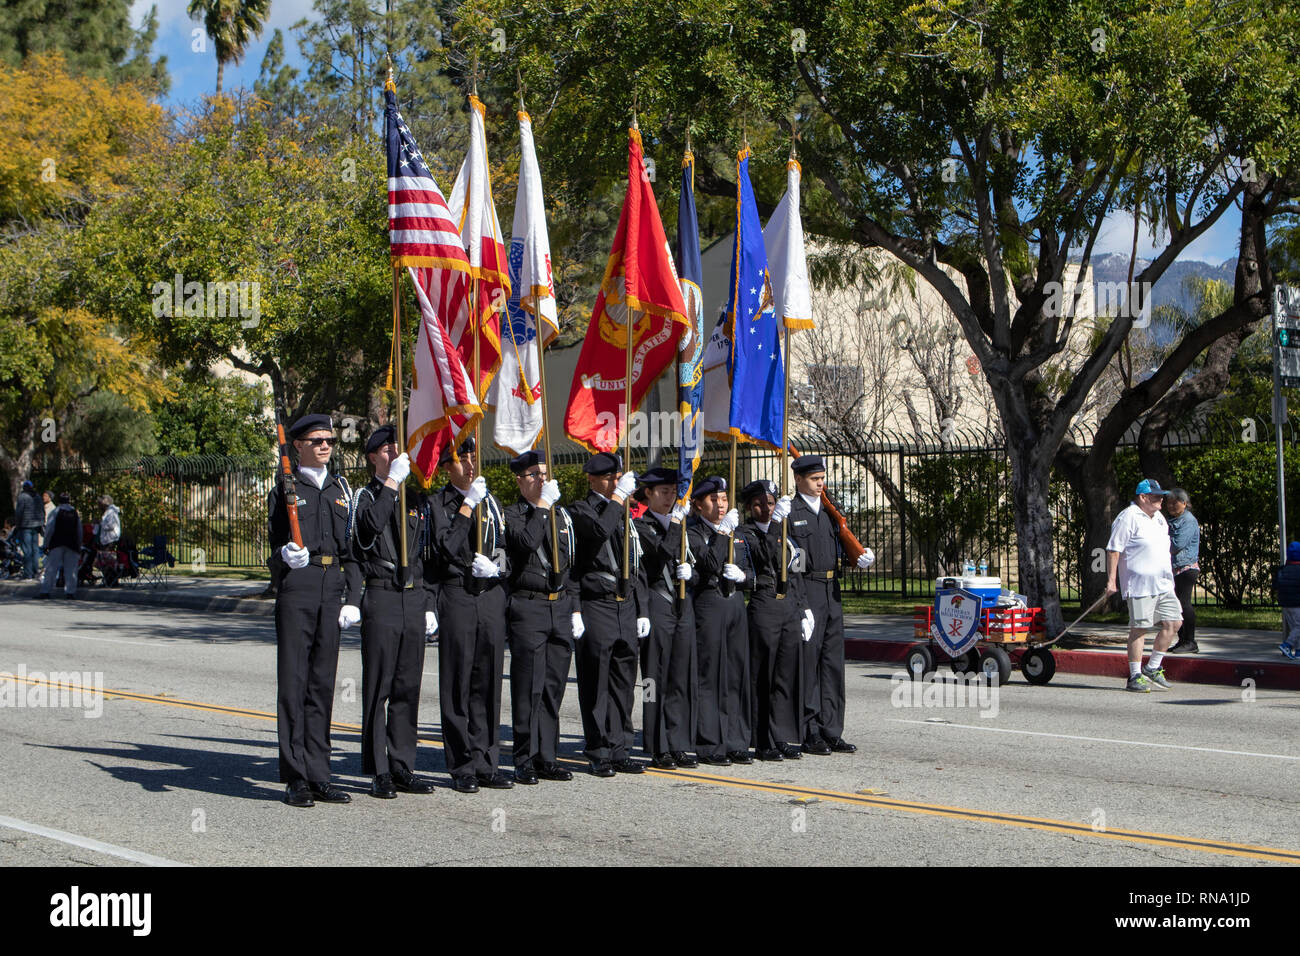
627,420
785,425
401,417
681,585
475,328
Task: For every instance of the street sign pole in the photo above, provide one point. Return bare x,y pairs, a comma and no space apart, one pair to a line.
1286,349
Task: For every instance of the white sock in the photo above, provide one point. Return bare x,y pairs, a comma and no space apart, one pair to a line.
1134,669
1154,662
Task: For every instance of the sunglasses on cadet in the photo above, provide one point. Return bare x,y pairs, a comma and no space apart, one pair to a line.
317,442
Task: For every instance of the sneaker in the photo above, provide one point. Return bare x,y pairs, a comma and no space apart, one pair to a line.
1288,650
1157,678
1139,684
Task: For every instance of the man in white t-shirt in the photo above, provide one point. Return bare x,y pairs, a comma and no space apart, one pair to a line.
1138,551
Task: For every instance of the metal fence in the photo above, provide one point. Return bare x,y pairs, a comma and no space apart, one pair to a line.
923,508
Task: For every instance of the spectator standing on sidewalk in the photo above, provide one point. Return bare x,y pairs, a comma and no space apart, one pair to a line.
62,547
29,518
1185,544
109,528
1138,558
1286,581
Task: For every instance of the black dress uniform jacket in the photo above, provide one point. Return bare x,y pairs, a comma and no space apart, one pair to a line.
823,657
607,653
392,627
472,631
668,655
307,606
539,620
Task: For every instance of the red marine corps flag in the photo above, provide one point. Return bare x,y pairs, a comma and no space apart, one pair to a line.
641,282
423,238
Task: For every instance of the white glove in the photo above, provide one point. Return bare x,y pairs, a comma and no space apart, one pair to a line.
796,557
643,627
626,485
477,492
578,627
679,512
866,559
550,494
729,522
683,571
430,624
484,567
399,468
732,572
782,509
808,625
348,615
295,556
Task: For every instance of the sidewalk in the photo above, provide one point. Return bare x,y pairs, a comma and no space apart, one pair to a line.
1227,657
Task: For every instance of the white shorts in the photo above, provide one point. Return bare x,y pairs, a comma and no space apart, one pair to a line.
1148,612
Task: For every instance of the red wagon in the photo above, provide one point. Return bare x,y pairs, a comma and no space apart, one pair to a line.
1009,636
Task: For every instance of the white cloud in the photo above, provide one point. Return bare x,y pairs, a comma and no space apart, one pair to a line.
1217,244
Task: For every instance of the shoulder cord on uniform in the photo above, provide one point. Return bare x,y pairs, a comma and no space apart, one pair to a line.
353,505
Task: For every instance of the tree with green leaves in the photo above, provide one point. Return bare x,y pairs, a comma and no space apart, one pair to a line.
231,25
982,143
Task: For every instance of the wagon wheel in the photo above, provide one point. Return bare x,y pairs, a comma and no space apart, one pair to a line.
968,663
996,665
920,661
1038,665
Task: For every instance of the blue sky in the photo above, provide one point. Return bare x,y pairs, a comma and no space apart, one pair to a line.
194,75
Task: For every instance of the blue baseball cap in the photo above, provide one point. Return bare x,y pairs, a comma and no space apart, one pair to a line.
1149,486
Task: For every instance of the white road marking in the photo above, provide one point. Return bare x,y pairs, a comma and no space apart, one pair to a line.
87,843
1102,740
109,640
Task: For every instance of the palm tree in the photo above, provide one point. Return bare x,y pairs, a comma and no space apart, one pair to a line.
231,24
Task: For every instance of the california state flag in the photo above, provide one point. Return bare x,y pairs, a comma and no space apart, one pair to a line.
475,216
517,391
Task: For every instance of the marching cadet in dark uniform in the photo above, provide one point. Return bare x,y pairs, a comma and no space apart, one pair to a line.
472,619
778,627
396,616
817,537
310,611
607,654
668,654
544,618
726,692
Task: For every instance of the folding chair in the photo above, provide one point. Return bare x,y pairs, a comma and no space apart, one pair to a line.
154,562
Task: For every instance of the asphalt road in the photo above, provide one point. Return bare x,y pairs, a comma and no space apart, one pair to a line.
179,765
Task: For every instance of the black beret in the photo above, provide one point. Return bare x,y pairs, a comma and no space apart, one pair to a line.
658,476
381,436
602,463
755,488
806,463
310,423
525,461
465,448
709,486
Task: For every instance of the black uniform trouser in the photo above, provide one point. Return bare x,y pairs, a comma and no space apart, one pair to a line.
541,646
471,661
726,691
306,661
1183,585
668,672
607,676
392,667
823,663
776,659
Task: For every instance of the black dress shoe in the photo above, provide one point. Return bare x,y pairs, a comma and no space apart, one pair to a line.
298,794
408,782
628,765
817,747
553,771
525,775
382,787
768,753
664,762
684,759
1185,647
715,760
464,783
328,793
790,752
740,757
602,768
841,746
495,781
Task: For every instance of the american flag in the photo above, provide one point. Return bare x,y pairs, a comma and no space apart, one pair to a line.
424,239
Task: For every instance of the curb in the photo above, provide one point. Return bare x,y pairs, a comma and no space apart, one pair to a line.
152,598
1190,670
